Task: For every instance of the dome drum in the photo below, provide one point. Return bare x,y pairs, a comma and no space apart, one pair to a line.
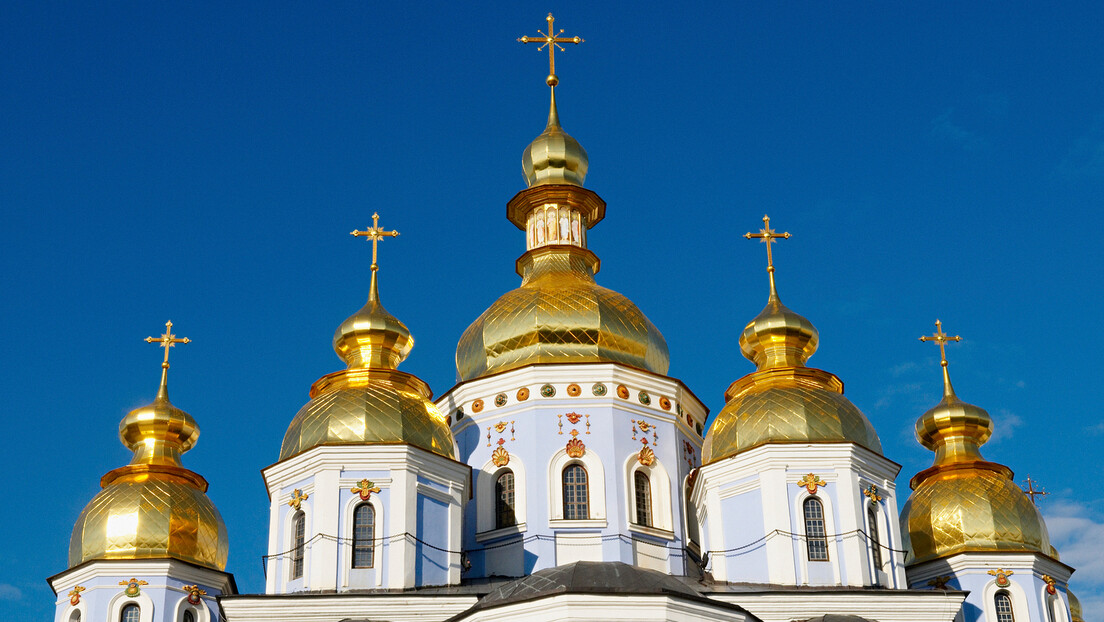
586,202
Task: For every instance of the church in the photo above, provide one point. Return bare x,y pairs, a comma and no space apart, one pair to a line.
566,476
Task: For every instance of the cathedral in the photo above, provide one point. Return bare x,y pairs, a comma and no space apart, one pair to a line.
566,476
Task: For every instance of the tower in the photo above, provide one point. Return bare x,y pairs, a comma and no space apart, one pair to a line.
969,526
150,546
794,489
579,441
367,491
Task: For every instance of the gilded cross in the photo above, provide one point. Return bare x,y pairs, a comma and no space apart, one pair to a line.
941,338
768,236
552,40
1032,492
375,233
297,498
167,340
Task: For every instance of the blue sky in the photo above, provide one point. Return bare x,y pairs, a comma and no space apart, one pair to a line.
204,164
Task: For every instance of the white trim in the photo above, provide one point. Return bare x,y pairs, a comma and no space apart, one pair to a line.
120,600
201,612
659,485
1054,604
596,488
67,615
346,560
1020,609
485,496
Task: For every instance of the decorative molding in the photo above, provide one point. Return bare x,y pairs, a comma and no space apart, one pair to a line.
297,498
365,488
811,482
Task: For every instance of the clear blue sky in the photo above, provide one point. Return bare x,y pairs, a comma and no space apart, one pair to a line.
205,163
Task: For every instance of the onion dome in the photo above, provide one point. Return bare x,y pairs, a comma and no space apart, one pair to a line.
554,157
784,401
964,503
370,402
560,315
153,508
1075,607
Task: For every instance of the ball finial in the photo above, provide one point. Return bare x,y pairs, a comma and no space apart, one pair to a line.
552,80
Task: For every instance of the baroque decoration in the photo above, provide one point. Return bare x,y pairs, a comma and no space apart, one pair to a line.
872,493
598,389
1002,576
522,394
133,586
365,488
477,406
811,482
500,457
574,390
548,391
74,595
194,594
297,498
646,457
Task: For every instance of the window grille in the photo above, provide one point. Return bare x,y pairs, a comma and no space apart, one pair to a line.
298,529
815,539
364,532
575,493
643,498
505,516
131,613
875,541
1004,607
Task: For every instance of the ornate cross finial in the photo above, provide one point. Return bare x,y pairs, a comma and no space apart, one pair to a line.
167,340
942,338
1033,492
375,233
552,40
768,236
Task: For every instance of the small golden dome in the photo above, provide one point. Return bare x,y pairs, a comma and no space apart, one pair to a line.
153,508
778,337
370,402
963,503
787,405
554,157
372,337
1075,607
560,315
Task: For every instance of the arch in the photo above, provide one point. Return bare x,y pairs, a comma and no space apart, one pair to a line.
1054,605
642,497
816,532
130,612
199,613
298,531
1002,603
121,600
347,525
364,535
505,500
576,492
662,510
485,495
596,488
1016,598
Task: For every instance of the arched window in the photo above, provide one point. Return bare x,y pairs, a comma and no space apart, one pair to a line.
364,535
504,501
643,488
691,518
1051,603
188,616
298,537
1004,607
75,616
130,613
815,538
575,493
875,541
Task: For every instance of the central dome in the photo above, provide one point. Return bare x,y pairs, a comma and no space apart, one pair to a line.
560,315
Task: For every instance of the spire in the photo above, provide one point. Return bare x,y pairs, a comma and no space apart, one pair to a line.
554,157
953,429
372,337
777,337
159,432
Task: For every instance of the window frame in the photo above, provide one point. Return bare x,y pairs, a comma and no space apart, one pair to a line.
130,607
505,513
642,496
814,541
1003,596
575,467
875,539
298,529
358,544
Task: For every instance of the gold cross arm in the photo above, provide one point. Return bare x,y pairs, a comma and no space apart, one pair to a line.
1033,492
167,340
375,233
941,338
552,41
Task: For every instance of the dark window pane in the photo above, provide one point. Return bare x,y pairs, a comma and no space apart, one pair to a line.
504,501
575,493
364,533
643,498
815,539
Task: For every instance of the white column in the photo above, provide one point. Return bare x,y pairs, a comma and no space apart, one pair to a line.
325,510
776,500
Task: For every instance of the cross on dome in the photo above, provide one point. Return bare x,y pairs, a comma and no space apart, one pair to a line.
942,338
1032,491
768,236
551,40
167,340
375,233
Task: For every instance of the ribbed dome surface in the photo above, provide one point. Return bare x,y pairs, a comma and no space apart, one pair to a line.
560,315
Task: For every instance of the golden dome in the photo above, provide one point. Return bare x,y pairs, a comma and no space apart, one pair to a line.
783,401
1075,607
554,157
964,503
370,402
153,508
560,315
